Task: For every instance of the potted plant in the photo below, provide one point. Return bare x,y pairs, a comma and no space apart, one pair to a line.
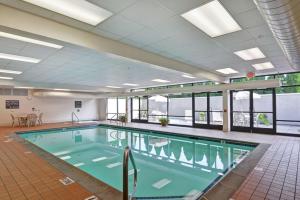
123,118
163,121
263,118
202,116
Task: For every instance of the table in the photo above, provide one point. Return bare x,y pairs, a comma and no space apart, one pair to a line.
23,118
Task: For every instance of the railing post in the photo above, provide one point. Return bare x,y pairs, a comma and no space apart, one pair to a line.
125,173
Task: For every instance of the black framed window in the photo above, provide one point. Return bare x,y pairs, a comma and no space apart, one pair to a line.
116,107
287,104
157,108
180,109
139,109
201,108
253,110
208,110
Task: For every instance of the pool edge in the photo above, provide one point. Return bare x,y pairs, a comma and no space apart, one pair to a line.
224,188
220,189
90,183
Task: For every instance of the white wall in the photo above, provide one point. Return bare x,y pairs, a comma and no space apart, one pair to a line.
55,109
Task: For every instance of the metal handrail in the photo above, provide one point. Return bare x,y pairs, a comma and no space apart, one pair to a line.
112,117
128,155
74,114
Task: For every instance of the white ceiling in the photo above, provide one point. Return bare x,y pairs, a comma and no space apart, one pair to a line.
80,66
152,25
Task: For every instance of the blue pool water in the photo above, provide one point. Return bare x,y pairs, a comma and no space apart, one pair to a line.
168,165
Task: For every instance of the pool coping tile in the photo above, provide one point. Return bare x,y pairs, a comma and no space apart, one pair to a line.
231,182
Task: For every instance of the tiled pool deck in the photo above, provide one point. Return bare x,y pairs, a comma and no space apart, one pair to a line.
26,175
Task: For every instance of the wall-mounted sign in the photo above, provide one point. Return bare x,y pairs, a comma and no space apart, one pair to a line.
12,104
78,104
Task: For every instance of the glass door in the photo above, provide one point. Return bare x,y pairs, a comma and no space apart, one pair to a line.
253,111
240,110
263,111
208,108
201,110
139,109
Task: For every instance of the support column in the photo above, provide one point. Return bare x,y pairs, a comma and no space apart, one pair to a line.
226,110
102,103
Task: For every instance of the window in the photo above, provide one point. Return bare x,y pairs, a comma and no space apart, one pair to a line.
288,110
180,109
209,109
216,108
116,107
139,107
201,114
158,107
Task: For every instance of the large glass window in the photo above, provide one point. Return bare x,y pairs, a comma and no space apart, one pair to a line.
180,109
112,108
116,107
288,110
216,108
209,109
139,109
241,108
263,108
201,112
158,107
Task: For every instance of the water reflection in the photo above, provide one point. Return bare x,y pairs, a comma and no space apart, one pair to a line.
209,155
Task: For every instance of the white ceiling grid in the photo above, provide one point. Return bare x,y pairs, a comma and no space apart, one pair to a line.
152,25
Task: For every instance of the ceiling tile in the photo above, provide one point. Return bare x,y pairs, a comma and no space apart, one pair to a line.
147,12
119,25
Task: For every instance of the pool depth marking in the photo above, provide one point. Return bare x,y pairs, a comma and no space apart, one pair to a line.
161,183
112,165
99,159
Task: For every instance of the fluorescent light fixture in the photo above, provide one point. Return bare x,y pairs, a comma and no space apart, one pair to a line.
188,76
23,87
19,58
80,10
160,81
262,66
10,71
250,54
6,78
130,84
110,86
59,89
26,39
213,19
227,71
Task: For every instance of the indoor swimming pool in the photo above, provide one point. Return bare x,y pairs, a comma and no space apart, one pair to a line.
167,164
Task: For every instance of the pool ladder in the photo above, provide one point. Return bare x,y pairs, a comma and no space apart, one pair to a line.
126,157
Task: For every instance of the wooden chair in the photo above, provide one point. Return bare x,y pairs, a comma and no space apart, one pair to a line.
40,119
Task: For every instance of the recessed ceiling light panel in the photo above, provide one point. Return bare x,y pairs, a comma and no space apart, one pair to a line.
188,76
60,89
80,10
110,86
263,66
23,87
6,78
130,84
227,71
5,71
29,40
213,19
160,81
19,58
250,54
